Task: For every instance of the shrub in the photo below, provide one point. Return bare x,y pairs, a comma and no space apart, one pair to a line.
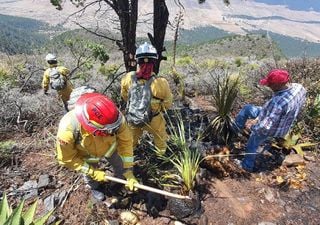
185,60
224,90
238,62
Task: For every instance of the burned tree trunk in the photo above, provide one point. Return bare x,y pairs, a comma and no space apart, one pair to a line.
128,15
160,21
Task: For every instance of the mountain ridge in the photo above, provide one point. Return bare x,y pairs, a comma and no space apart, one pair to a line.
240,17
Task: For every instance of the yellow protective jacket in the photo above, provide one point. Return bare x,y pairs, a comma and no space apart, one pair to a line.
64,94
76,147
161,92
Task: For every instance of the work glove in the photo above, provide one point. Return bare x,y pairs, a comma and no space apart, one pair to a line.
131,180
97,175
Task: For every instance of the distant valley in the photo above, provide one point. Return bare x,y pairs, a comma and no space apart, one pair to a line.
296,32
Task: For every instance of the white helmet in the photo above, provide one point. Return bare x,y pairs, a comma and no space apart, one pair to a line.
146,51
51,57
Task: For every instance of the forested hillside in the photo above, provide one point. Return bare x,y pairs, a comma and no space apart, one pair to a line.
291,47
21,35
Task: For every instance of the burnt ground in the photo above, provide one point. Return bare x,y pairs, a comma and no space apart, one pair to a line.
274,195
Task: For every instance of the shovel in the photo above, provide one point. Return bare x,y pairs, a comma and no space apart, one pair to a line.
147,188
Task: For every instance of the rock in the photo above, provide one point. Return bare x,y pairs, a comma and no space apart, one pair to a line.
293,160
49,203
178,223
266,223
30,188
128,218
43,180
309,158
288,209
112,222
269,195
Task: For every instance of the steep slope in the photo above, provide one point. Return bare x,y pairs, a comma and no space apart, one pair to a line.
20,35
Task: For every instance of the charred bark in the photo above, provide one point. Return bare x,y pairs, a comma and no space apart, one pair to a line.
160,21
128,15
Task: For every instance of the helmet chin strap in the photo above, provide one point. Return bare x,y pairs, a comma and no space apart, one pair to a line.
145,70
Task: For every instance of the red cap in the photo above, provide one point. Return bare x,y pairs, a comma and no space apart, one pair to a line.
276,76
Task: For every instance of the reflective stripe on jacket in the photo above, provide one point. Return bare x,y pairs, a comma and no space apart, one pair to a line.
73,152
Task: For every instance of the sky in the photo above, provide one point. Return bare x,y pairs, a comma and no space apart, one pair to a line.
301,5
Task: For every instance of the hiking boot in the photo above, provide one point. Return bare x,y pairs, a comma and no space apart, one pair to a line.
98,195
95,187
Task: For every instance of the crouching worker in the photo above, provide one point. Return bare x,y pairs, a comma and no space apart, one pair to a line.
93,130
276,116
56,77
147,96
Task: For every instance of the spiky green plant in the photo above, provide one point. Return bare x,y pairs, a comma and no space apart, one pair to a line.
185,160
187,163
224,89
291,142
9,216
315,108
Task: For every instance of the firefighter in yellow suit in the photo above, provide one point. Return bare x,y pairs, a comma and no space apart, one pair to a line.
96,129
64,93
146,56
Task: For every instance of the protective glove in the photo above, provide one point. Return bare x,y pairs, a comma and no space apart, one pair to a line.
97,175
131,180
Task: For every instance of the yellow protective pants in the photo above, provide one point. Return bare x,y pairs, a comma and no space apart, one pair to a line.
64,94
157,127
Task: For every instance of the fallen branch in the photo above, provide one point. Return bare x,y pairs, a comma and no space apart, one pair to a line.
70,189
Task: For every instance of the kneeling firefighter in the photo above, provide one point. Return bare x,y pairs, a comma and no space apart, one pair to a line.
93,130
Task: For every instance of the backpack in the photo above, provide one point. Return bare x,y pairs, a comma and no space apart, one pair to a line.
76,93
57,80
138,109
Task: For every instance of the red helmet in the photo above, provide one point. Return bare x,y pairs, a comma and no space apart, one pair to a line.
97,114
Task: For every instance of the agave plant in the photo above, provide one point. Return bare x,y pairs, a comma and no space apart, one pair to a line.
185,161
224,89
291,142
9,216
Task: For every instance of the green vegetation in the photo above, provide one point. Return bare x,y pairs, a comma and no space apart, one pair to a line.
187,161
291,142
21,35
224,89
9,216
253,46
294,47
201,34
6,150
290,47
